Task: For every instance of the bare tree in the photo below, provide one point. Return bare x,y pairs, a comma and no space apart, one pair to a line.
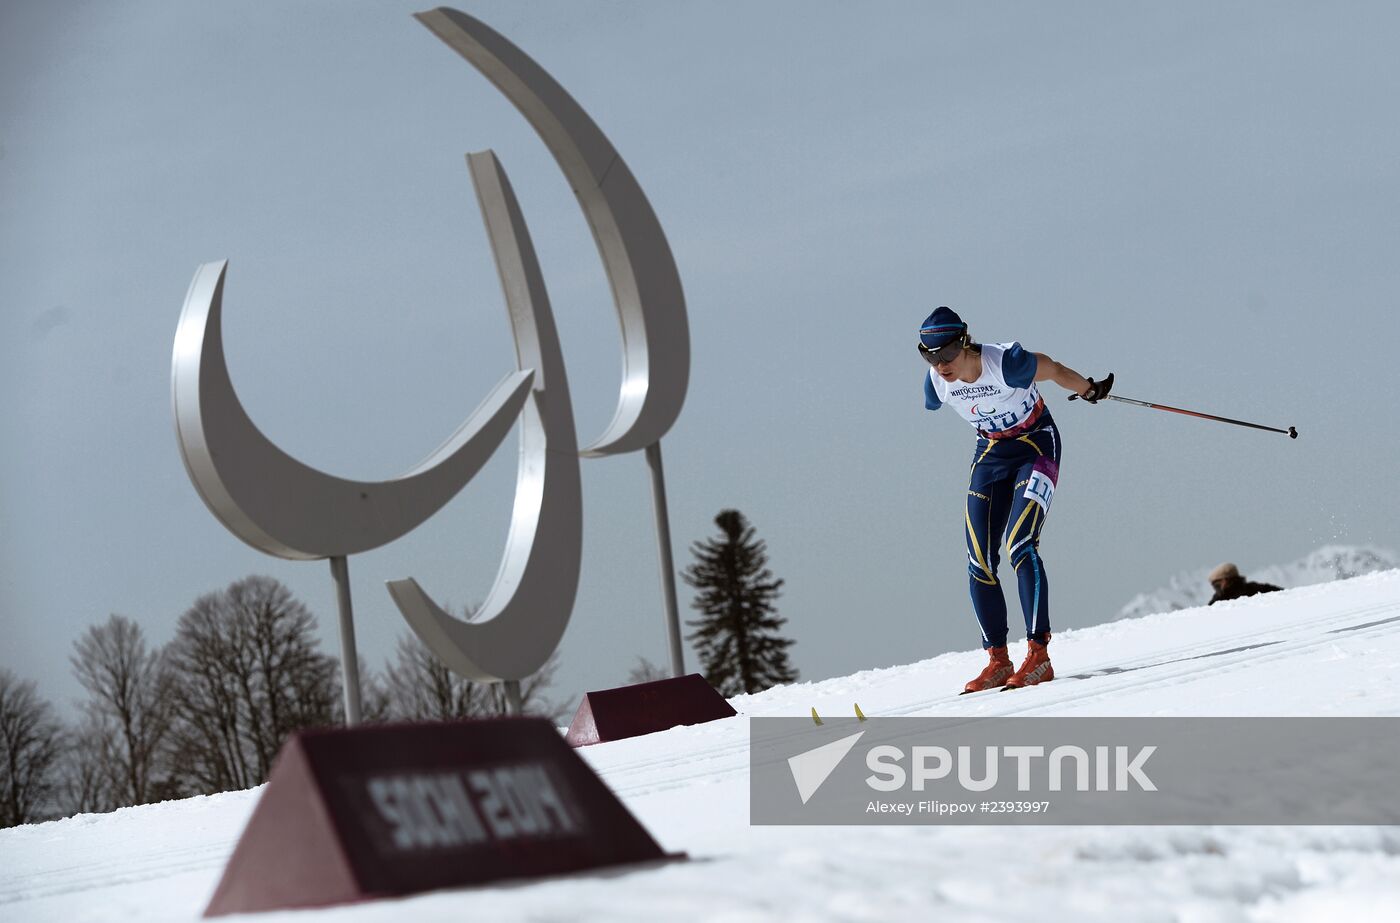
646,672
128,710
375,704
87,785
30,745
420,687
249,670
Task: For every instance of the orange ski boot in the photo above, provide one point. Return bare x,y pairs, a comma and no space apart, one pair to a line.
994,674
1035,668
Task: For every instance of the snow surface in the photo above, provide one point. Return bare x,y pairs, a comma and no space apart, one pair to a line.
1189,589
1339,655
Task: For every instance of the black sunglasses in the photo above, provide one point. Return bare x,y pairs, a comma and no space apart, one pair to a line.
945,353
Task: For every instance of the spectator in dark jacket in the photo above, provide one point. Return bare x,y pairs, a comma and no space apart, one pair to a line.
1229,584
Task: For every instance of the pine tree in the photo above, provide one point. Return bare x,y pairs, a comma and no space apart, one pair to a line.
736,637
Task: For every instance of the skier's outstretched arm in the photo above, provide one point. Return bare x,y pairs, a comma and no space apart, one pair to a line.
1048,369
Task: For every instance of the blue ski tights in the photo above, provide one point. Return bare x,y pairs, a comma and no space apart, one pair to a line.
1012,484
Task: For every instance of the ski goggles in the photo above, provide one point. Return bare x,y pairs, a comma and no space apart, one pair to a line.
945,353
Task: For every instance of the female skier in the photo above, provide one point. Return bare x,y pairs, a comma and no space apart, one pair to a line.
1014,470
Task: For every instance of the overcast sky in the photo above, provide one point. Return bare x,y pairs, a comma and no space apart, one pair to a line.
1201,197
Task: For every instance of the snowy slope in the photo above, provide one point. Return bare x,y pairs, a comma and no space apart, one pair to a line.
1338,653
1330,562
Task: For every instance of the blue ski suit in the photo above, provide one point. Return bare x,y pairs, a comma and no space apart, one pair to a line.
1014,471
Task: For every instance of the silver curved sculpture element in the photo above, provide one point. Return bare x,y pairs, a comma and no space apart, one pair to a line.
524,615
274,502
645,284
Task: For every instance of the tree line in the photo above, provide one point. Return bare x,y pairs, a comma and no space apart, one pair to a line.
209,710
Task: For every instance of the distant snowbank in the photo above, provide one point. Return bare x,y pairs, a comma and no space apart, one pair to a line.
1330,562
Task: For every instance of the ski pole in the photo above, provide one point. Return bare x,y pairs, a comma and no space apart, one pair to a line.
1291,432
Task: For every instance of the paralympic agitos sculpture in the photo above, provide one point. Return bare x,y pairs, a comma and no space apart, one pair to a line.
285,508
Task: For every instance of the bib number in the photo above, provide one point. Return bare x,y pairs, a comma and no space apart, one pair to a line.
1041,487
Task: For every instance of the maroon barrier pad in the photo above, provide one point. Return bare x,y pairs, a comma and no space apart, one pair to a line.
644,708
369,812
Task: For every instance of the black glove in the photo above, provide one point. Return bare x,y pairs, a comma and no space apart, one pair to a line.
1098,390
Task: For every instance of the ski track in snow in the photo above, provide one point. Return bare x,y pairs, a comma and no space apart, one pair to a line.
1324,650
1193,662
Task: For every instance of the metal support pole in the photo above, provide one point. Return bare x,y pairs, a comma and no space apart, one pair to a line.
663,550
349,660
515,704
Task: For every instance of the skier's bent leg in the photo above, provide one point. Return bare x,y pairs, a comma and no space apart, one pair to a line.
1035,591
986,517
1023,548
